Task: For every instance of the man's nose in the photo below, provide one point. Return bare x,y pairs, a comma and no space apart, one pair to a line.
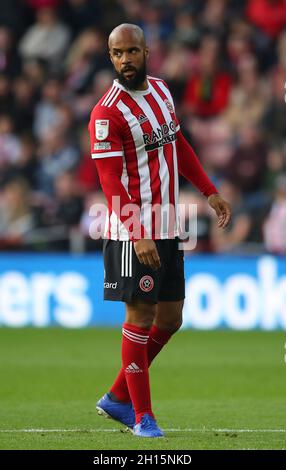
126,58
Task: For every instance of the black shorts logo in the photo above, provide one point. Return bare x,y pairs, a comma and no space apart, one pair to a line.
146,283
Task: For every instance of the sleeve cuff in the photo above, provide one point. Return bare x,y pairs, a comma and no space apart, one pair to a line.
107,154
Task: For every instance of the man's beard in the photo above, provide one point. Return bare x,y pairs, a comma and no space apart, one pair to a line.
136,81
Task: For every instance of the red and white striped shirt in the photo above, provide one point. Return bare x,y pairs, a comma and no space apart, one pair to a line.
140,127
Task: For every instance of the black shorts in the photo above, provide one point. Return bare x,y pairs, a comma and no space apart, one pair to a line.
126,279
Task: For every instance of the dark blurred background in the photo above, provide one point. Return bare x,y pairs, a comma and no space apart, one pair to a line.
225,63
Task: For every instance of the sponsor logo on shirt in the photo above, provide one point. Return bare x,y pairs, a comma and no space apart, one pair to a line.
101,128
102,146
161,136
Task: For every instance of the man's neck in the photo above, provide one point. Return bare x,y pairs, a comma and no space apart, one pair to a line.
143,86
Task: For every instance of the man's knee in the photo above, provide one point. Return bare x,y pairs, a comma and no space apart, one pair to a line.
169,316
140,314
168,324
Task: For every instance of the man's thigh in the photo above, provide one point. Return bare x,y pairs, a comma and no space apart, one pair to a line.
172,279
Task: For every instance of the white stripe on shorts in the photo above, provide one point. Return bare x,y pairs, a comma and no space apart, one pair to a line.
126,259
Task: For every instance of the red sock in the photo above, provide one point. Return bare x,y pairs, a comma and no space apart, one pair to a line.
135,364
157,339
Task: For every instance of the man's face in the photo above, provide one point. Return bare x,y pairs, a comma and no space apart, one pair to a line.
129,60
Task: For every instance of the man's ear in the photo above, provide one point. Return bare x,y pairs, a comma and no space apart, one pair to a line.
111,57
146,52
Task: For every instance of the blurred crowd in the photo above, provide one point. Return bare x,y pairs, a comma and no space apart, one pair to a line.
225,63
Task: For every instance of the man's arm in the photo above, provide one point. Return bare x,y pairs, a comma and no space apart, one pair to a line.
190,167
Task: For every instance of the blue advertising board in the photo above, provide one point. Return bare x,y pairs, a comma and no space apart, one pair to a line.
67,290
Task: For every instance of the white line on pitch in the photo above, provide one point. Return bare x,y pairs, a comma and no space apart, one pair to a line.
166,430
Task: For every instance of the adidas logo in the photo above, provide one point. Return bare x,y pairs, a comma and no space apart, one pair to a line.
133,368
142,118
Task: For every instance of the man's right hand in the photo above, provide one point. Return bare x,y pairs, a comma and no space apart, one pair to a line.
147,253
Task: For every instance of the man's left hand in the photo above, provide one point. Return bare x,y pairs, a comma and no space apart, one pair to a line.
222,208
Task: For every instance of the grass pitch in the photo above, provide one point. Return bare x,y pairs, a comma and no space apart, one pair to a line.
211,390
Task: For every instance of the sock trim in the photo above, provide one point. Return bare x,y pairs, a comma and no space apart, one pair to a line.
129,336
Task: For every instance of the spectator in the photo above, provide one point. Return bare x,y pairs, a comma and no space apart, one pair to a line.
87,56
87,176
274,229
269,15
278,73
16,217
249,97
207,92
214,15
155,23
56,156
239,42
12,15
274,122
27,165
178,64
6,98
9,59
47,110
23,104
247,166
47,39
81,14
238,231
81,104
186,31
275,164
68,204
9,143
35,71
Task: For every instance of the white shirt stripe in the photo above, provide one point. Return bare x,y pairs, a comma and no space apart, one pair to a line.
113,99
107,101
108,95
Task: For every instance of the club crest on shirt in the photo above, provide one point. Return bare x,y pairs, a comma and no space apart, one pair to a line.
101,128
169,106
